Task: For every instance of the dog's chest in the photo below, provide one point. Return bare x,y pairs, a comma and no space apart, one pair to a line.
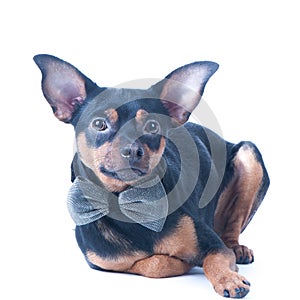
181,243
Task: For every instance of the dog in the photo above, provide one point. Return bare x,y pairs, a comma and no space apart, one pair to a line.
154,194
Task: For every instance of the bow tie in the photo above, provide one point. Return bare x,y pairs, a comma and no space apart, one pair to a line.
145,203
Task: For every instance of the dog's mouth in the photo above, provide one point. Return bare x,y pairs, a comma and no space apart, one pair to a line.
125,174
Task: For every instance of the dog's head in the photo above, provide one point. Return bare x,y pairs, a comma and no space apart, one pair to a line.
121,133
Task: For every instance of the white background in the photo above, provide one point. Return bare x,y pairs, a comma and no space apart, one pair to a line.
253,95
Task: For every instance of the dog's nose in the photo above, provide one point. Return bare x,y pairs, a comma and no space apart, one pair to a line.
133,152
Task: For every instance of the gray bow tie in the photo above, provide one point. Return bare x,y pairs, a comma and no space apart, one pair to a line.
145,203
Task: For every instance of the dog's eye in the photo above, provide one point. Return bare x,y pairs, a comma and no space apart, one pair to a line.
99,124
152,126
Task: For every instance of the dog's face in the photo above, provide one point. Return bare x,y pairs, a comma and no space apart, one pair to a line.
123,139
121,133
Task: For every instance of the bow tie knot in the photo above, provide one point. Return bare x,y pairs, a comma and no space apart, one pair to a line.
145,203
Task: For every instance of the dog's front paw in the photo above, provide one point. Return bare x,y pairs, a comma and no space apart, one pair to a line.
232,285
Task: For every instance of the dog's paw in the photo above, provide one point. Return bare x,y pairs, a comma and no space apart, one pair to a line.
232,285
243,254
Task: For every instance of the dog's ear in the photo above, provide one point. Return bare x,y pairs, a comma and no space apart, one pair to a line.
64,87
181,90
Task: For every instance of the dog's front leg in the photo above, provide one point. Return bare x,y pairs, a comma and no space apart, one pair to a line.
220,268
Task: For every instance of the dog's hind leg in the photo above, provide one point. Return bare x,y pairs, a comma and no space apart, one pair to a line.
160,266
247,183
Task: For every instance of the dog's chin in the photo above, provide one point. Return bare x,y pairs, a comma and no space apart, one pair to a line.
126,175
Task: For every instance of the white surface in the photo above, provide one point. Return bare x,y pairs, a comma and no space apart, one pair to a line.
253,95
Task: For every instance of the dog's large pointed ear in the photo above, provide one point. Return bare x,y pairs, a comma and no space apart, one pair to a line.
181,90
64,87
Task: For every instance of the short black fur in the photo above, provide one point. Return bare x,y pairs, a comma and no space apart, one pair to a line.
184,171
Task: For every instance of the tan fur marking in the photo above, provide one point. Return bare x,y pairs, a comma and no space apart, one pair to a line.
92,158
155,157
111,184
182,243
239,198
141,115
88,155
121,264
112,236
217,263
112,115
171,259
221,271
160,266
223,208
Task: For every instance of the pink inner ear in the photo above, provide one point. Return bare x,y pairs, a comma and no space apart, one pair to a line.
178,113
64,90
72,93
179,100
182,89
65,110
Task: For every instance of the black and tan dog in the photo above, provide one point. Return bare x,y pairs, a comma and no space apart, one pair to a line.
153,194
